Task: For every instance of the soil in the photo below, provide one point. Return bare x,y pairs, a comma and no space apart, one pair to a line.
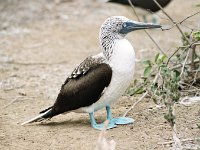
40,44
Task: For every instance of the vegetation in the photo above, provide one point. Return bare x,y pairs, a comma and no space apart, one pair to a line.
166,80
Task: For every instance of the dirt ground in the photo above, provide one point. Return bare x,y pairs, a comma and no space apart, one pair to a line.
40,44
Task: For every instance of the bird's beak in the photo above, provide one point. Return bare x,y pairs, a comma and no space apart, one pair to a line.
134,25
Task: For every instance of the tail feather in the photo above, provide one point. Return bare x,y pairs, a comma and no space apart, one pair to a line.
46,114
45,110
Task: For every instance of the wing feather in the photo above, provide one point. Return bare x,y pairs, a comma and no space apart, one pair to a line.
84,86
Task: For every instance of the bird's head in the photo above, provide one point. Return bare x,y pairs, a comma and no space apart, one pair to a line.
119,27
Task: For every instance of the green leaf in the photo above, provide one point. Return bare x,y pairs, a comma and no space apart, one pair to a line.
177,73
198,126
153,87
147,63
134,82
139,90
147,71
162,57
156,57
133,91
176,97
169,117
198,5
196,35
176,76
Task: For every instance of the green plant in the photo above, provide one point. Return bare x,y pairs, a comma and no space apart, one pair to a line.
164,77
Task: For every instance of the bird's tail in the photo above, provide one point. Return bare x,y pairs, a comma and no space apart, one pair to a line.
45,114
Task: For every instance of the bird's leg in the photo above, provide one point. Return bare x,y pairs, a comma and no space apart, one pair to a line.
145,18
109,114
119,120
99,126
154,19
92,120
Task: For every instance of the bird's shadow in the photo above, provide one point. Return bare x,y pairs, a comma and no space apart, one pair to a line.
81,122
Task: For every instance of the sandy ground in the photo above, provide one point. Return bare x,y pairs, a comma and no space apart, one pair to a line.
41,43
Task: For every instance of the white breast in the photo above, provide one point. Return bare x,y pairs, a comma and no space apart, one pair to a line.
123,57
122,63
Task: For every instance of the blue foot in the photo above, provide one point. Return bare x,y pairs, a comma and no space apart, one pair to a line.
145,19
119,120
101,126
154,19
122,120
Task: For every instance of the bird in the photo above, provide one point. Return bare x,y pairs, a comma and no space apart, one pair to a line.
147,6
100,79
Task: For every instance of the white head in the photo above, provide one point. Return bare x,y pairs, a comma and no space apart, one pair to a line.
117,27
120,26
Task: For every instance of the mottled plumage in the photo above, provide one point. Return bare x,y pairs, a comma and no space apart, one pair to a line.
86,65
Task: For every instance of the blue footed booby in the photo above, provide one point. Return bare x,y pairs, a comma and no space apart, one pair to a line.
100,79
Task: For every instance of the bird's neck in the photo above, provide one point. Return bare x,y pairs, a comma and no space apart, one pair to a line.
107,43
122,59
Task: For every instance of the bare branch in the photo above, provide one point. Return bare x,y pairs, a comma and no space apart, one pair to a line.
192,57
192,45
184,63
14,88
17,98
141,98
189,17
183,140
180,22
180,65
172,21
173,54
159,48
177,142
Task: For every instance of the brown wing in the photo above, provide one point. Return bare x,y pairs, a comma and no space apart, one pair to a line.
83,88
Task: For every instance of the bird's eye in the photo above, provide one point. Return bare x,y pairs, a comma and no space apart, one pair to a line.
124,25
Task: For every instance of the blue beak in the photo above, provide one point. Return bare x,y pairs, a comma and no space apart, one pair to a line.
133,25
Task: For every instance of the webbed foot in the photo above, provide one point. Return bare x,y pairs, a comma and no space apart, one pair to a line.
122,120
101,126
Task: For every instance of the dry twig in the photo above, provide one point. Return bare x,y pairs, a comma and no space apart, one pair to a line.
189,17
183,67
183,140
170,18
177,143
14,88
159,48
17,98
180,65
141,98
